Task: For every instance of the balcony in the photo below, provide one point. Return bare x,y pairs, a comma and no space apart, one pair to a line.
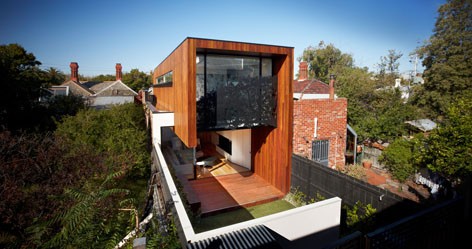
243,102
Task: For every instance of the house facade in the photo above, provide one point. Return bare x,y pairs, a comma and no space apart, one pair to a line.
319,121
99,95
234,96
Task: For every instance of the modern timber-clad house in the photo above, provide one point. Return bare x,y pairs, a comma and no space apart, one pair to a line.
220,114
235,96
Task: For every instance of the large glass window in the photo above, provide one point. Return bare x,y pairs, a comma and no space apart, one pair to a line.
235,92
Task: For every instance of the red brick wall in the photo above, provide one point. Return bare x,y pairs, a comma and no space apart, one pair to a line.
332,120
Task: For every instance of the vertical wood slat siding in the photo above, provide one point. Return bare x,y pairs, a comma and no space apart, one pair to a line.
178,97
271,147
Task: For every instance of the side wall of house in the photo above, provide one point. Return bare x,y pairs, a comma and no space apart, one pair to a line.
272,147
179,98
332,121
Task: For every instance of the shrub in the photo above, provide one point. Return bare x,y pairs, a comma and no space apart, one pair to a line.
398,159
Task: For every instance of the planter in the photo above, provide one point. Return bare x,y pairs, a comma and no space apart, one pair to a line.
367,164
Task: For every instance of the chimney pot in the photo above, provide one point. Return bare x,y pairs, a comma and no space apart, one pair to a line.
119,74
74,71
303,71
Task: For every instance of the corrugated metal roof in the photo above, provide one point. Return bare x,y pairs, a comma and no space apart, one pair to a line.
248,238
422,124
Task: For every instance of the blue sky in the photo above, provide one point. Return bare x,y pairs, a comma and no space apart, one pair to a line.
140,34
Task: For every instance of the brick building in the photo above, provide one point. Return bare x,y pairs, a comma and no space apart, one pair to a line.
319,120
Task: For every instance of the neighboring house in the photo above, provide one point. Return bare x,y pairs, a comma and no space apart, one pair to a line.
100,95
320,120
404,90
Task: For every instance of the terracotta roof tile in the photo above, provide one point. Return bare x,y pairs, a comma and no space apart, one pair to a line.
310,87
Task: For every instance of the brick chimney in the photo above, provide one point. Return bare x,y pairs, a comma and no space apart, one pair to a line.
119,74
74,71
303,71
332,78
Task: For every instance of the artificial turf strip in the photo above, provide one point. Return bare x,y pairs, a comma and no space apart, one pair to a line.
240,215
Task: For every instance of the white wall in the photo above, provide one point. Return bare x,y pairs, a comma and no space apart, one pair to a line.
240,144
160,119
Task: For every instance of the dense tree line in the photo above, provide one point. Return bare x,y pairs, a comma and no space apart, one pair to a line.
65,188
377,111
65,169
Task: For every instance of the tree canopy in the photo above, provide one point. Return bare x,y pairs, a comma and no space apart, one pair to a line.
21,81
447,58
448,149
64,189
137,80
375,109
325,60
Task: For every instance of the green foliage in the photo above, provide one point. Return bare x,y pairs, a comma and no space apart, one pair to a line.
325,60
137,80
360,216
20,80
398,159
61,189
34,169
157,240
389,64
447,59
90,220
448,148
298,198
54,76
103,77
118,133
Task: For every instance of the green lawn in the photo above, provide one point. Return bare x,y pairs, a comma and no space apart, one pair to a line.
240,215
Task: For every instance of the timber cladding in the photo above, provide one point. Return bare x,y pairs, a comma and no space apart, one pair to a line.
271,147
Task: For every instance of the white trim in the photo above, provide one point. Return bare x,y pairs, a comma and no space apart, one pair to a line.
117,81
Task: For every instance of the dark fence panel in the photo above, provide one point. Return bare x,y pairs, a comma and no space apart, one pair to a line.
311,177
439,226
435,227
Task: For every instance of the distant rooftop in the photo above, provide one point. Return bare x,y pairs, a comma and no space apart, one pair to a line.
422,124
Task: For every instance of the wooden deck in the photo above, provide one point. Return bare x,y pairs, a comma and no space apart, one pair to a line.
227,192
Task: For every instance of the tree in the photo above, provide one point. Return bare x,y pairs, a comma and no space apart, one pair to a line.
448,149
103,77
21,81
137,80
447,58
398,158
388,68
64,189
54,76
325,60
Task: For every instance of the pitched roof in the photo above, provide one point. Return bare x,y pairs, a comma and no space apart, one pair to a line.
310,87
97,86
77,88
94,88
